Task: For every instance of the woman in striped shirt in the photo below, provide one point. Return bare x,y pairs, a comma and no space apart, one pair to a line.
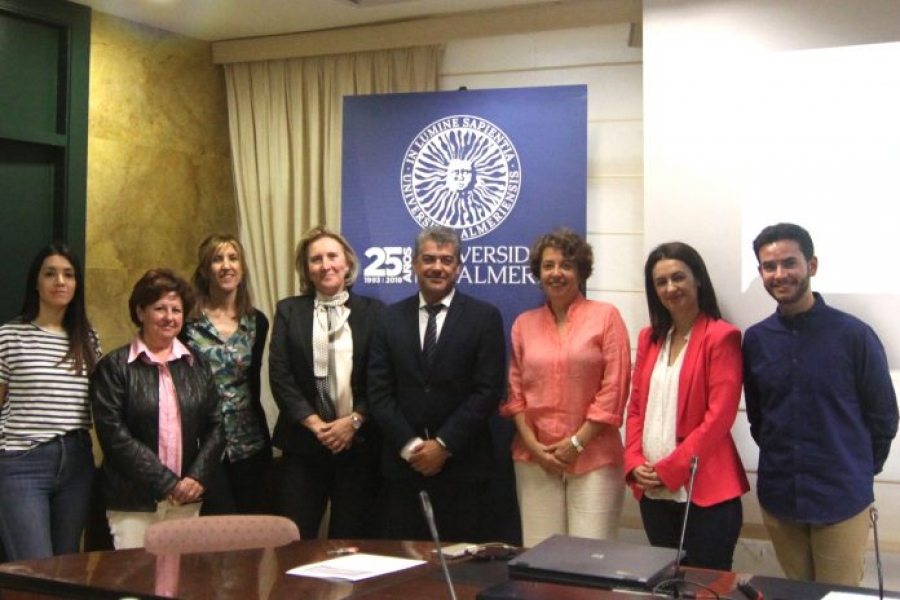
46,462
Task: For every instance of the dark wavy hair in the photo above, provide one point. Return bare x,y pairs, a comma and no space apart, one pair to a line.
155,284
571,245
206,253
785,231
83,348
660,319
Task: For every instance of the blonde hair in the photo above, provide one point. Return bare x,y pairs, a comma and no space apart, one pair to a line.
301,257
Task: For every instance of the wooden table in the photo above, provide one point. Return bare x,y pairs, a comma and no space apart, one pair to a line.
261,575
239,575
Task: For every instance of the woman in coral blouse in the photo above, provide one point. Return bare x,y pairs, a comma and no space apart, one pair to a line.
684,399
568,383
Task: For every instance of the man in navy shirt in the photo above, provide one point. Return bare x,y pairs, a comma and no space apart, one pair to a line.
823,411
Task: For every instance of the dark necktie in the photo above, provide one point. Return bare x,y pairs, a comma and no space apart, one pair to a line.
430,342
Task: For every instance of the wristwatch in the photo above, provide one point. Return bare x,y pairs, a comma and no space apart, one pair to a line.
356,421
576,443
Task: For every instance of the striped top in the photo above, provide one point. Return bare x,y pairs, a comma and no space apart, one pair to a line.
45,398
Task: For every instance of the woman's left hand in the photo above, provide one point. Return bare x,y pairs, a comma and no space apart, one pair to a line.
564,452
186,491
336,435
646,477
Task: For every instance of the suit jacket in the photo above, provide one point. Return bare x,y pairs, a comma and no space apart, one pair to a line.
259,345
291,374
454,401
709,392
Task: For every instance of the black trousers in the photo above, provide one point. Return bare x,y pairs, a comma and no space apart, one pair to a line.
458,509
240,487
711,534
350,480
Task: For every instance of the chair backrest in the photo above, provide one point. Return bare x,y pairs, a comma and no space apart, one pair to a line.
219,533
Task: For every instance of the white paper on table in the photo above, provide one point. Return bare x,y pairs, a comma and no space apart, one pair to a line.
852,596
355,567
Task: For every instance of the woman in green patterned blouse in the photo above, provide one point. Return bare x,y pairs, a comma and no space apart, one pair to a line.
230,333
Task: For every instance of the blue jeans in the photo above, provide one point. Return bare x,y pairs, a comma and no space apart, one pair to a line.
45,493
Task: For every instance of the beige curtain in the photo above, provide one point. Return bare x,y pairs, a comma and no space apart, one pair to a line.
285,121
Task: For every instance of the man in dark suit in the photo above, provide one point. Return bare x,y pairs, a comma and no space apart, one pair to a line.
434,381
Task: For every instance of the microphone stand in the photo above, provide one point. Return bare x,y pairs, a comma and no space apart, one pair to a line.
677,575
695,461
432,525
873,516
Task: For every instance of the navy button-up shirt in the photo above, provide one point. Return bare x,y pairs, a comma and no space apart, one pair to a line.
823,411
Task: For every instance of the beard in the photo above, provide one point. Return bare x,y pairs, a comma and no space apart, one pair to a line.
792,292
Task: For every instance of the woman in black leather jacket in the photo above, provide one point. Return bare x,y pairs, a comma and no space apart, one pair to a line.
156,413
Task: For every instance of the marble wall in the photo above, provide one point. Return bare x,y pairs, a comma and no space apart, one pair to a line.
159,167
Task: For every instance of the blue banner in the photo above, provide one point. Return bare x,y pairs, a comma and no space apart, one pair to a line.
499,166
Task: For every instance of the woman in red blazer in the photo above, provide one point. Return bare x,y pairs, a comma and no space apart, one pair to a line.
685,394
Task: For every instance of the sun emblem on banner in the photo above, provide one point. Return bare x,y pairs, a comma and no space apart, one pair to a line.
462,172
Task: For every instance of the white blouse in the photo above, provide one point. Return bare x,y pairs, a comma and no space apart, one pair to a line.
341,350
661,415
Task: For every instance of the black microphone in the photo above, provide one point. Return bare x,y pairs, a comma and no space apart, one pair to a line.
432,525
749,591
695,461
873,516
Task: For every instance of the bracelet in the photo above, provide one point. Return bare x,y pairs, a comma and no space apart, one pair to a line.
576,443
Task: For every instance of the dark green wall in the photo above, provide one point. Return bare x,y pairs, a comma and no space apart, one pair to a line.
44,64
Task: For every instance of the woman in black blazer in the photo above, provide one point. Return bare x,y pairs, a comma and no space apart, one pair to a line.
317,371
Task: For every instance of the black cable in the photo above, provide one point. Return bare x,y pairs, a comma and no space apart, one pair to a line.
674,584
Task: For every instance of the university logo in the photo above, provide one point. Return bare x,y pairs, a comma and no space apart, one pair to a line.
462,172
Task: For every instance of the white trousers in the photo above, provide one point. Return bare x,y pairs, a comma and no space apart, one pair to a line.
127,527
586,505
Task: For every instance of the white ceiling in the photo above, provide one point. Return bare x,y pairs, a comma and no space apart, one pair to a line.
216,20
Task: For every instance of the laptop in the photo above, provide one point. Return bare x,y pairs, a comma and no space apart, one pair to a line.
517,589
595,563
